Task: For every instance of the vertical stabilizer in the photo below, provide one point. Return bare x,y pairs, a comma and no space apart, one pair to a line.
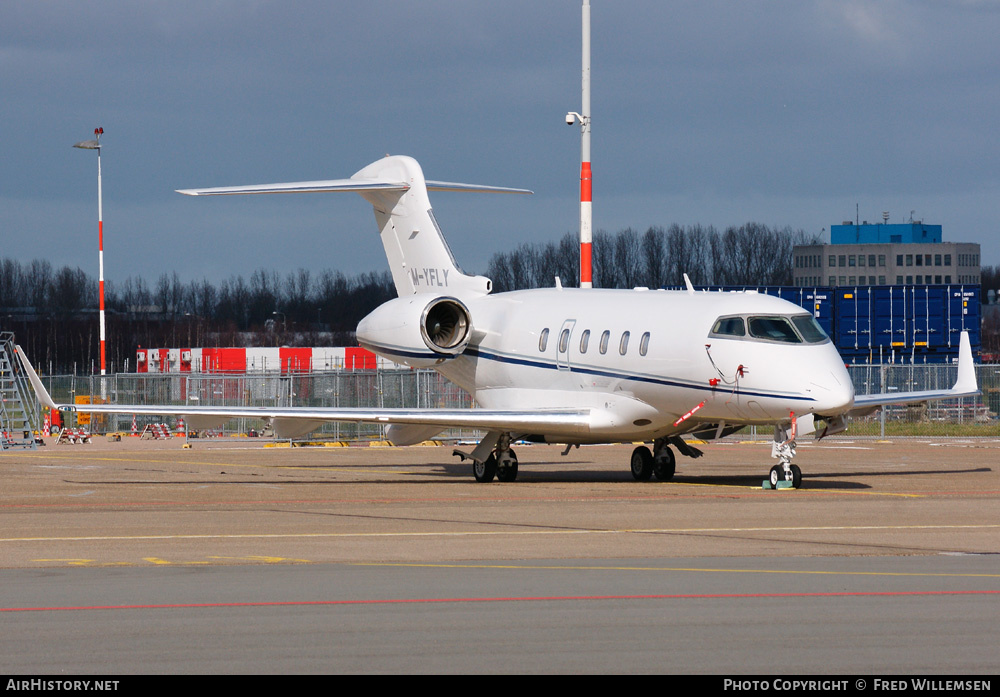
418,254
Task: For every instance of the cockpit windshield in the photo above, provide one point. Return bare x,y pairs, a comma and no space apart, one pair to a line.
796,329
774,329
729,326
809,329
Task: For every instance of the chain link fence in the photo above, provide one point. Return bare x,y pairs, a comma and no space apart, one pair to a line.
374,388
427,389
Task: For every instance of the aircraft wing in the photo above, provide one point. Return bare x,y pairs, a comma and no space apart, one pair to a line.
294,421
965,386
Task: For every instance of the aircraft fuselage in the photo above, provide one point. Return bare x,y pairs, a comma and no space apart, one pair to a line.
639,359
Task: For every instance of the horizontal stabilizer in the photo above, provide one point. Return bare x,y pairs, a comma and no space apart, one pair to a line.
330,185
345,185
397,191
475,188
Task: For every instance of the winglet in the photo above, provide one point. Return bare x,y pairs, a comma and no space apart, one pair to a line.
36,382
966,382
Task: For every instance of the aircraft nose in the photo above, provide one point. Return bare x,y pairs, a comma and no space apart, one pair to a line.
833,391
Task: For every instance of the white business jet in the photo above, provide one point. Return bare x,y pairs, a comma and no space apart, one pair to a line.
571,366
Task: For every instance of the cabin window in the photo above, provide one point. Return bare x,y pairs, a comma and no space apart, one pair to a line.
729,326
623,344
644,344
543,340
773,329
605,336
563,340
584,340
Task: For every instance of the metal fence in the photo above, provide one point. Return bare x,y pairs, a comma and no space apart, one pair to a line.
972,416
367,388
427,389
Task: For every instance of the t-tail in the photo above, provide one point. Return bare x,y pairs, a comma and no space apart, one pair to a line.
418,254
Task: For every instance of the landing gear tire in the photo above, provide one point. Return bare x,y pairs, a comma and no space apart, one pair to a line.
486,470
777,475
796,476
664,465
642,464
507,466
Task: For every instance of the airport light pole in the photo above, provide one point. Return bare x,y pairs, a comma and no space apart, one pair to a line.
96,145
586,176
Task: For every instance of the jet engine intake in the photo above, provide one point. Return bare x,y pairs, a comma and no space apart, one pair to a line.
417,331
445,326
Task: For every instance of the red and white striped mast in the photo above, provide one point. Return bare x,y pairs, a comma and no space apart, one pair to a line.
96,145
586,176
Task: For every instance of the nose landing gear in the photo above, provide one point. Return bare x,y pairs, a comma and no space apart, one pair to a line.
780,474
784,474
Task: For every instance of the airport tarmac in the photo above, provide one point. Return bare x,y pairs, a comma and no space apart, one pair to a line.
141,556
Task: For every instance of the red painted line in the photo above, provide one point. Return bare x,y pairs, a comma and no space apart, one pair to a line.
418,601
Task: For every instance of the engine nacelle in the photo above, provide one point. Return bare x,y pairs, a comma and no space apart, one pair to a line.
417,332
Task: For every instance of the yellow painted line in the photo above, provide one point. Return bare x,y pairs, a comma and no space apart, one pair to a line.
492,533
157,561
531,567
145,460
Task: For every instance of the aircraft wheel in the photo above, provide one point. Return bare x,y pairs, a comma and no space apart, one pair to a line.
486,470
664,466
777,475
796,477
642,464
507,466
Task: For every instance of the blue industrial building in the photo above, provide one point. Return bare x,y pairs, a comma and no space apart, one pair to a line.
880,254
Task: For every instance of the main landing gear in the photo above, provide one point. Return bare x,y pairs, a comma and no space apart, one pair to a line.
659,463
493,458
502,465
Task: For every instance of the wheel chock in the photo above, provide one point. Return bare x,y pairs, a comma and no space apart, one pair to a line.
783,484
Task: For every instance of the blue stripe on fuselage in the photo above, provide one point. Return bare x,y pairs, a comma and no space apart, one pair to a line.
550,365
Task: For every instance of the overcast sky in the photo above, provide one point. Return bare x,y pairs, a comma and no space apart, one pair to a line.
710,111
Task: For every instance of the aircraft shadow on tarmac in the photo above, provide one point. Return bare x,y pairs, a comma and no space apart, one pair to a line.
566,472
535,472
817,481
